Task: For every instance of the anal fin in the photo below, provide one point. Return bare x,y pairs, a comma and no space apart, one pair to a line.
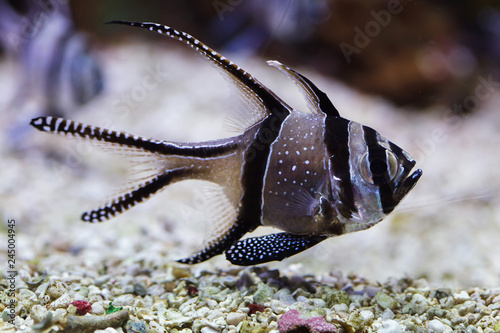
221,245
274,247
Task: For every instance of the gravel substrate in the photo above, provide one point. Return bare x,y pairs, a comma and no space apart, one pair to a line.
443,239
173,298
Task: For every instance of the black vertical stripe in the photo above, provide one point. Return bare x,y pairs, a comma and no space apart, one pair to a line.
377,152
337,145
252,183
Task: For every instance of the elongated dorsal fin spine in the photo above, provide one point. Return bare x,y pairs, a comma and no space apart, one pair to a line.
317,101
272,102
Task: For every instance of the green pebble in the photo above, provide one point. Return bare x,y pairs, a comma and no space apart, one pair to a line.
336,297
84,291
208,292
263,293
251,327
385,301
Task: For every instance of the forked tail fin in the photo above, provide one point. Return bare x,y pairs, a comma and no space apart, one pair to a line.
128,200
159,176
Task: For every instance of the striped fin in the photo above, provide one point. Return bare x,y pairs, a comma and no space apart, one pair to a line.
317,101
254,100
274,247
121,139
130,199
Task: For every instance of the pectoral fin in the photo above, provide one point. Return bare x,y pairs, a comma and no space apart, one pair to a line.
275,247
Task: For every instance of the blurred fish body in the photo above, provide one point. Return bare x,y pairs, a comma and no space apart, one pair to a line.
313,175
59,69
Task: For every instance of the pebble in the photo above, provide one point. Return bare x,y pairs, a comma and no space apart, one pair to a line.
461,296
123,300
98,308
62,302
234,318
435,326
222,305
390,326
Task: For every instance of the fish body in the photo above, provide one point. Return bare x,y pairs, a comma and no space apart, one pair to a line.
313,175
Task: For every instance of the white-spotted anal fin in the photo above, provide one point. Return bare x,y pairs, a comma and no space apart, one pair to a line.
274,247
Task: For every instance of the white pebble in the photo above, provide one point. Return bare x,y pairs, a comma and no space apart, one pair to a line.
390,326
208,330
388,314
234,318
62,302
98,308
435,326
123,300
367,315
38,313
462,296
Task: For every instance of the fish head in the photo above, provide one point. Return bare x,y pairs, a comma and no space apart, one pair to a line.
369,174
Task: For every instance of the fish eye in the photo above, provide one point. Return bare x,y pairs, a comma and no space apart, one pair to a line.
383,163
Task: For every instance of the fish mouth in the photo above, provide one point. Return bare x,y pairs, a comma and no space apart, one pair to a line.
408,182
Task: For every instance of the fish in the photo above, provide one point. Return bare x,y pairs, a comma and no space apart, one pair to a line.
313,175
60,69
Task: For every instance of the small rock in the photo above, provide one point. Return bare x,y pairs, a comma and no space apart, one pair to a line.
341,307
26,294
62,302
385,301
123,300
234,318
181,273
319,325
461,297
98,308
263,293
435,326
290,321
418,305
82,307
140,289
388,314
390,326
38,313
56,290
132,327
336,297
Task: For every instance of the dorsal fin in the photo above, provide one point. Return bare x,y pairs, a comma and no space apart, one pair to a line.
254,100
317,101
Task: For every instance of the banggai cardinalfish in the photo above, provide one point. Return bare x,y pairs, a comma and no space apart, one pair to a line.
313,175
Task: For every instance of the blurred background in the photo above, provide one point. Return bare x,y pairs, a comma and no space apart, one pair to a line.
419,53
423,73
